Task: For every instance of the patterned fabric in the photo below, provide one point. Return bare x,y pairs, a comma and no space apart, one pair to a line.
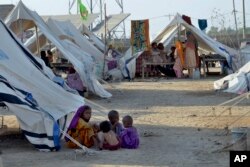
145,56
140,35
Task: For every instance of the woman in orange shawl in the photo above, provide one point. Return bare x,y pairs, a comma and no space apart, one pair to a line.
80,129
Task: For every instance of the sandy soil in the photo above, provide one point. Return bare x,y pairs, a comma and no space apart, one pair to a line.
186,131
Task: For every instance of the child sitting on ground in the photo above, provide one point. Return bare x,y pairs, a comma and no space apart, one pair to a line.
129,136
108,139
116,126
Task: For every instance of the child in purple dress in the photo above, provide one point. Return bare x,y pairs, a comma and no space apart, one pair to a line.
129,136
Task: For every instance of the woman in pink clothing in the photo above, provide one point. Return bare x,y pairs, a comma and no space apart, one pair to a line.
191,53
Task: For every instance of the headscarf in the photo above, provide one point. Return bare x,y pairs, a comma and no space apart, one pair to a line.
76,117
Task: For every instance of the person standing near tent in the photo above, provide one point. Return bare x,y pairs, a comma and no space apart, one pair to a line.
178,65
80,128
191,53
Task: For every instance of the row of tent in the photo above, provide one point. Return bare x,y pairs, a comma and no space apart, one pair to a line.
27,88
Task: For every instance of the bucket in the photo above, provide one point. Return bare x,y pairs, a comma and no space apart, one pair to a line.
196,74
239,138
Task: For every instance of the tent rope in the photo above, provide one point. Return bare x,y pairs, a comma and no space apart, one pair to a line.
85,149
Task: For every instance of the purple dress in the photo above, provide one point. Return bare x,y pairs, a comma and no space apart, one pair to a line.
129,138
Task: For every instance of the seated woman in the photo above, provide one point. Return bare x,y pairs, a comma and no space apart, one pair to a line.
74,81
80,129
161,58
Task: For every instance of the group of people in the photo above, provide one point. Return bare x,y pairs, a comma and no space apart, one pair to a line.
183,55
109,134
159,55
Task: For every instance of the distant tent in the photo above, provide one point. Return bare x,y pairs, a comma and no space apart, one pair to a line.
245,54
39,104
66,29
74,18
82,26
206,43
21,15
92,38
238,82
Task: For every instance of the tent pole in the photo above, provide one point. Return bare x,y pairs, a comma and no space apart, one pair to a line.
37,42
21,28
179,32
105,38
236,26
244,20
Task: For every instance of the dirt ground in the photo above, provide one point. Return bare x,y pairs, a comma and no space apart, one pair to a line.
182,127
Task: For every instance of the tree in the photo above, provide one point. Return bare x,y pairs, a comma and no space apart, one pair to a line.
214,31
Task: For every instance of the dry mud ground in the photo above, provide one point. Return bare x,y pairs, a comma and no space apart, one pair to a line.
185,130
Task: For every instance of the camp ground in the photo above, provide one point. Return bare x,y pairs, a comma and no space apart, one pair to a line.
191,120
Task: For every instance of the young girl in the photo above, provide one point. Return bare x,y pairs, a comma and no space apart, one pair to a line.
178,65
80,129
108,139
129,136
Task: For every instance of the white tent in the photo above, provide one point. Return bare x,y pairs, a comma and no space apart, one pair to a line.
245,54
76,19
29,93
238,82
92,38
66,28
205,42
21,15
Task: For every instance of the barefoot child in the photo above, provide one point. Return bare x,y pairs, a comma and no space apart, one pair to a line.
129,136
116,126
108,139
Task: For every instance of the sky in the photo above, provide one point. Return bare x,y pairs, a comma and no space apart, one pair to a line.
159,12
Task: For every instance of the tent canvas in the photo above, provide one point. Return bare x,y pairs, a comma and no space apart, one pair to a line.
205,42
112,22
66,28
238,82
28,18
76,19
93,38
31,95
